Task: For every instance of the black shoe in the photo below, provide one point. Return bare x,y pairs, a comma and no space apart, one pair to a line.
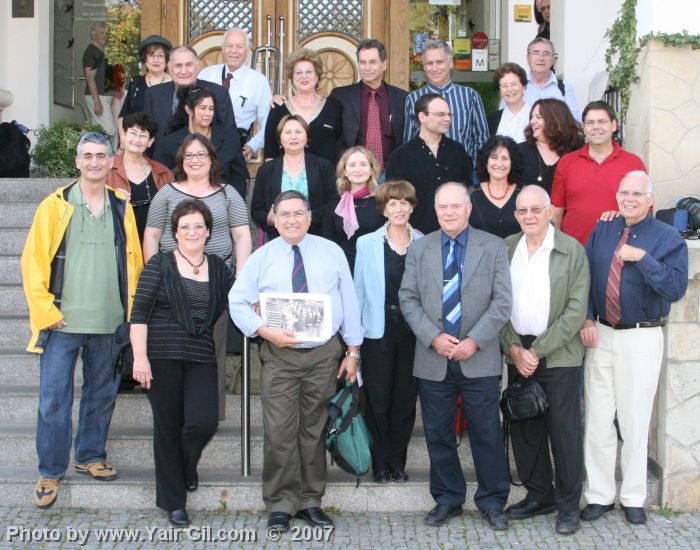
279,521
528,509
441,513
192,482
179,517
594,511
634,514
399,476
315,517
496,518
567,522
382,476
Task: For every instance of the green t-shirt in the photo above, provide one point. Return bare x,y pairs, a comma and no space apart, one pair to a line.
90,300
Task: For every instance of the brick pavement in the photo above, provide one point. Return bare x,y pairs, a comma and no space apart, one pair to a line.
395,531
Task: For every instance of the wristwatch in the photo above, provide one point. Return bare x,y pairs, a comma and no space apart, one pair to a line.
353,354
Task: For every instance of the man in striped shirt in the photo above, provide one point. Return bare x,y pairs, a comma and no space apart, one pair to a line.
468,125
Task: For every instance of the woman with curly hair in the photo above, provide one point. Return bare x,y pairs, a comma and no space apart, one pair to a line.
498,167
551,134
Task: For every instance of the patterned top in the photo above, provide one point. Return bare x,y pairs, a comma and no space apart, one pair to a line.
299,184
228,210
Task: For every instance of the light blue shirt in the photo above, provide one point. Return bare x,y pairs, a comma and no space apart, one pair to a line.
269,269
533,92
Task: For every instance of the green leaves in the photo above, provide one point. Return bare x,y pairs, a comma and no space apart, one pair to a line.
54,153
621,55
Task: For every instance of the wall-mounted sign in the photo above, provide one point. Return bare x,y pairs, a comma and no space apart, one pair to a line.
522,13
22,8
445,2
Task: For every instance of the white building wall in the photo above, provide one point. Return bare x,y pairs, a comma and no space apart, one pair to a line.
668,16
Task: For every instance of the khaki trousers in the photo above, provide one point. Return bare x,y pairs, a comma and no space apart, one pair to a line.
296,385
621,375
106,119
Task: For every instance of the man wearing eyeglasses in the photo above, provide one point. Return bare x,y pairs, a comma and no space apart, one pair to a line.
248,89
585,181
550,278
80,265
162,101
430,159
468,124
299,377
542,82
639,265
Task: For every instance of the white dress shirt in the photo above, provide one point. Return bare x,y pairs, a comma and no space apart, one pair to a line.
250,97
513,124
531,291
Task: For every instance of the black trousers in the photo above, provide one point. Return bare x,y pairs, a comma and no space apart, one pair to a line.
391,391
562,429
184,400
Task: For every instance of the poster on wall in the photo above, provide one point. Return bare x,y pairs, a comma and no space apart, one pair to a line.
22,9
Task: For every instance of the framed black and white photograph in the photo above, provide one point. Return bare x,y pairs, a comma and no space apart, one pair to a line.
307,315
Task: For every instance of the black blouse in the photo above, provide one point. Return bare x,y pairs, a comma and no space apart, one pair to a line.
535,170
141,195
492,219
394,266
135,96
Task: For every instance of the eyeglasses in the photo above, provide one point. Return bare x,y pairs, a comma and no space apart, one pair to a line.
535,210
439,114
134,134
588,123
511,86
634,194
296,214
155,56
196,227
538,53
199,156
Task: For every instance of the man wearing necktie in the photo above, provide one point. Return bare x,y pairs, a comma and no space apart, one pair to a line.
299,377
456,296
639,265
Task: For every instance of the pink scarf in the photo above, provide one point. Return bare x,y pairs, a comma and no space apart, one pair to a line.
346,210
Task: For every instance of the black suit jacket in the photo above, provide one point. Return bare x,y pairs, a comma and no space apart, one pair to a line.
320,177
349,97
159,100
493,120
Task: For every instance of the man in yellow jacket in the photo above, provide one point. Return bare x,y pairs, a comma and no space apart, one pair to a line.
80,266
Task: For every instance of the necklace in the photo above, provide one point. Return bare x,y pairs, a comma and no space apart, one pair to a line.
195,268
296,168
503,196
399,248
539,166
148,81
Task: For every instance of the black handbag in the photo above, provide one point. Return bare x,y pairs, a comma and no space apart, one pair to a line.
524,399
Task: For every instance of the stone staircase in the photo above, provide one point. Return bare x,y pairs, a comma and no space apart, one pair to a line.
129,446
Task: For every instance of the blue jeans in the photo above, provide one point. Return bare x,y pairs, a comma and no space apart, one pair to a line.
100,385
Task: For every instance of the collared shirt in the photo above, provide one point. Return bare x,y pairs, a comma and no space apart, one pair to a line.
647,287
529,276
269,269
250,97
533,92
382,97
514,124
91,302
468,125
462,238
415,162
586,188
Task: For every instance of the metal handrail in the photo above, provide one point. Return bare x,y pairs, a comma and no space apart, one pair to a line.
272,56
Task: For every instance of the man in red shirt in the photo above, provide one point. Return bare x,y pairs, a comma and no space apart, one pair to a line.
586,181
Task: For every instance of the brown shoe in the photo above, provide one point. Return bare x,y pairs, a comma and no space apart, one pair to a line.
45,491
99,470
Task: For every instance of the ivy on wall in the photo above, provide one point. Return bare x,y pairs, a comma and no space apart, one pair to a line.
677,40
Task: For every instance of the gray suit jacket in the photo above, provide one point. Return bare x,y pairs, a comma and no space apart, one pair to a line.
486,302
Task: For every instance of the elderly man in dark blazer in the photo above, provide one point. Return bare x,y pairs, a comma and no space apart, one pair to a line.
161,100
456,296
360,101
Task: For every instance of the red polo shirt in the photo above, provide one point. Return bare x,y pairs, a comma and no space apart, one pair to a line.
586,189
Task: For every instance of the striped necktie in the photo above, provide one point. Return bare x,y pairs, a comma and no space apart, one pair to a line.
613,313
227,81
451,292
374,129
298,274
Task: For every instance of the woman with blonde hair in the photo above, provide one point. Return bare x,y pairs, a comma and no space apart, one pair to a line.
355,214
323,114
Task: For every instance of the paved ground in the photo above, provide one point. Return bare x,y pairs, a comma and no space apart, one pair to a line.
69,528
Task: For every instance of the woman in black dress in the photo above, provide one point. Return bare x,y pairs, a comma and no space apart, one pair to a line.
498,167
323,114
179,297
356,213
551,134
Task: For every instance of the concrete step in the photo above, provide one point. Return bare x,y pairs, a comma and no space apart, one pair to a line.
19,367
133,447
225,489
12,300
17,215
12,241
14,332
10,272
29,190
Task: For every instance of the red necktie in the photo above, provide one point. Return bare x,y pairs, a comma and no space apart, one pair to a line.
613,313
227,81
374,129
